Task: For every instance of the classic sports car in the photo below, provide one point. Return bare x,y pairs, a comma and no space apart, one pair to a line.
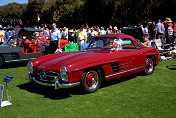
22,47
107,57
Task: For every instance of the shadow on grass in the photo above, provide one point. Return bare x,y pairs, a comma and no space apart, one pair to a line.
14,65
171,67
50,92
57,94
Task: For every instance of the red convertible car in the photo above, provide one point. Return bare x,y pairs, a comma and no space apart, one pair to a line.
107,57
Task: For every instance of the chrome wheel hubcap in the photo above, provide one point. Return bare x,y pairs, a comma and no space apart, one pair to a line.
91,79
149,65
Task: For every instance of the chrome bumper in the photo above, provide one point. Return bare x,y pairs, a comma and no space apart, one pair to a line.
57,84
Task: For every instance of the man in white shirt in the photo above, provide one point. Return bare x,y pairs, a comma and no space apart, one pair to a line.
65,34
55,35
145,31
102,32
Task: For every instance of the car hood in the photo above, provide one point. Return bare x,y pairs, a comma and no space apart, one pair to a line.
75,59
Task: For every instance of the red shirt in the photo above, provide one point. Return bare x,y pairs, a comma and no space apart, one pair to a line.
171,25
175,28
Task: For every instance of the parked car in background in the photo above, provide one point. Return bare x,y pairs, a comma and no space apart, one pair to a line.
22,47
45,38
61,43
108,57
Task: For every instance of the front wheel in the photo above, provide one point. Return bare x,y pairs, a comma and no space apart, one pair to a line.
149,65
90,81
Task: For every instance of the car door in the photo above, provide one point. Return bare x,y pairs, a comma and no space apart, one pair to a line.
31,48
134,54
127,60
12,51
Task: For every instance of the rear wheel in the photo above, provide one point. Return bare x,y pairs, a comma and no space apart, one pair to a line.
90,81
149,65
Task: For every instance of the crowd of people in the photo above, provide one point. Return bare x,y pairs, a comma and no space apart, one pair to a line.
165,31
5,34
79,36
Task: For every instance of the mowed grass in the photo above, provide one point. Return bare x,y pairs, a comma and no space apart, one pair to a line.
138,96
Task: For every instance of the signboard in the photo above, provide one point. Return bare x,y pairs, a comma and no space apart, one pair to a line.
1,93
8,78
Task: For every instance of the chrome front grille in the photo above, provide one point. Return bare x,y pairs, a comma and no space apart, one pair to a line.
46,76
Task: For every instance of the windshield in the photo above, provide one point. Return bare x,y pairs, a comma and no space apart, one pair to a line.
104,43
111,42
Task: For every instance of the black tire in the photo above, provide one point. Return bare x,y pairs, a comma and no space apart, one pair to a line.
91,81
1,61
149,65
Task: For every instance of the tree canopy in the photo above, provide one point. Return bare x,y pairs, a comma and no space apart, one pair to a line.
73,13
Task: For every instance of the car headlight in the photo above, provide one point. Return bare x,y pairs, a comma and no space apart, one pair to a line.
63,73
30,67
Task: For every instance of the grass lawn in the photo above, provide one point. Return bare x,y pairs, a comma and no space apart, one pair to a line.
138,96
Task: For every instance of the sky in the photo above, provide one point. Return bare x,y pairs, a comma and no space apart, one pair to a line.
4,2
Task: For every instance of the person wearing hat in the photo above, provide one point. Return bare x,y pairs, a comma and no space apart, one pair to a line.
55,35
168,23
146,42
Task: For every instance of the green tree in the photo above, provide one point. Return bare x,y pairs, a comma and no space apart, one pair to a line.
11,14
32,14
73,13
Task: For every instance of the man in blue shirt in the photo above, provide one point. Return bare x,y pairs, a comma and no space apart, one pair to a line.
159,31
55,35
